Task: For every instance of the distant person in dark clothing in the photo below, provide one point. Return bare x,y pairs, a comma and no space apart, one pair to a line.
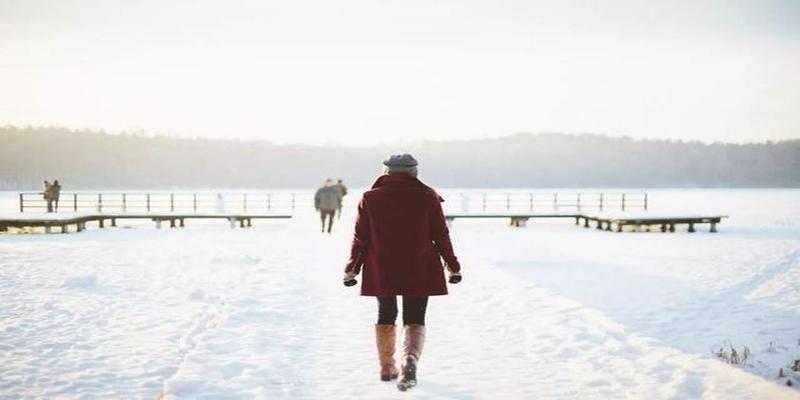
342,192
48,195
327,200
56,193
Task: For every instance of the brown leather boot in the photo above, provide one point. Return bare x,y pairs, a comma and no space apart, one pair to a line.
385,340
413,342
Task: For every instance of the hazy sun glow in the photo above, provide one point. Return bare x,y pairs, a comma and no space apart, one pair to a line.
365,72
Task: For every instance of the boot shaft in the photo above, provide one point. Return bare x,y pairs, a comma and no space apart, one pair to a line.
413,341
385,338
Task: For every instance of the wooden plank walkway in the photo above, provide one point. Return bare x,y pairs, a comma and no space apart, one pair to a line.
605,222
517,219
63,223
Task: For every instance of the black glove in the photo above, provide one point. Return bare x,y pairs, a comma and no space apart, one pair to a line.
349,279
455,277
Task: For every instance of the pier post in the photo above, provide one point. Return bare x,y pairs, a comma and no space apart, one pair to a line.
158,223
623,202
577,220
101,223
47,229
585,222
672,227
691,227
75,202
241,222
181,223
172,222
601,202
645,201
64,228
619,227
99,202
172,205
21,203
663,227
599,224
114,222
194,202
608,226
148,205
713,227
124,204
518,222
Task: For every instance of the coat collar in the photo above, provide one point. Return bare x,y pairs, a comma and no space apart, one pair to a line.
399,179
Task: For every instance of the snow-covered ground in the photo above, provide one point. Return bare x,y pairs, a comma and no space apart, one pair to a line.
547,311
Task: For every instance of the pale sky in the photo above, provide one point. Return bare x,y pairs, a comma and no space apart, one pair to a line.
369,71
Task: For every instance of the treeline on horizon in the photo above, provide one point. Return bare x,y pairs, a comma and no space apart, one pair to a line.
83,159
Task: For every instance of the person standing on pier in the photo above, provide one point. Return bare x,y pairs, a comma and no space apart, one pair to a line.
56,193
400,239
327,201
48,195
342,192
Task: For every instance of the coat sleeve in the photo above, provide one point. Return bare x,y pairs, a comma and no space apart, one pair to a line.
358,248
441,235
316,199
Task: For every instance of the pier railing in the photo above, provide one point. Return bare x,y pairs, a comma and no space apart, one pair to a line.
288,202
167,202
532,201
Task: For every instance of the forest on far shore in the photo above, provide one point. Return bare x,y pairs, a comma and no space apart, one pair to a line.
83,159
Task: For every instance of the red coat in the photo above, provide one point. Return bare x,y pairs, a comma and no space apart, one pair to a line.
400,239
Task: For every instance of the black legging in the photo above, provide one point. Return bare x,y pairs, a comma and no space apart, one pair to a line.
413,310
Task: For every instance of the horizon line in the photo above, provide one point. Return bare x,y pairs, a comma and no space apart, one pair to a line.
155,134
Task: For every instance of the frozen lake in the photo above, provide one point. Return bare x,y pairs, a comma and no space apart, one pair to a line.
547,311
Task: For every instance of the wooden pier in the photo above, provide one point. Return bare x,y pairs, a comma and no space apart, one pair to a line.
63,223
175,208
664,223
605,222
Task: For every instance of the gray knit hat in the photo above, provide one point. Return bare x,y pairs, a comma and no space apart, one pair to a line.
400,160
401,163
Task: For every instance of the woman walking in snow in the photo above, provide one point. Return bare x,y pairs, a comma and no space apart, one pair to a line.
400,239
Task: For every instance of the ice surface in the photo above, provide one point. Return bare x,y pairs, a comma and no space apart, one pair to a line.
547,311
